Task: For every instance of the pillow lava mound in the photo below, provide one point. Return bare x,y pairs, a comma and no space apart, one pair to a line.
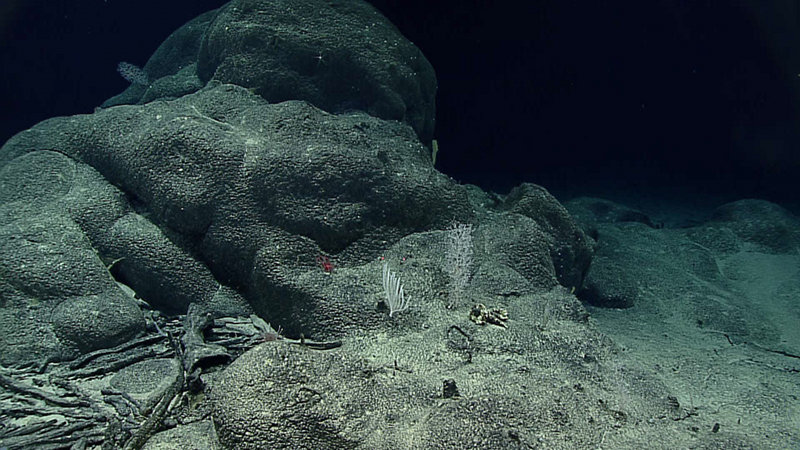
339,56
201,191
207,198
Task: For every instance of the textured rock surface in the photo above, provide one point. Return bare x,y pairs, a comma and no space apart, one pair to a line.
339,56
571,248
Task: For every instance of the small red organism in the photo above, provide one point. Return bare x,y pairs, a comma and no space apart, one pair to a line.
325,263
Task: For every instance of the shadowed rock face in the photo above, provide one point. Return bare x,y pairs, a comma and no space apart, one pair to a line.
338,56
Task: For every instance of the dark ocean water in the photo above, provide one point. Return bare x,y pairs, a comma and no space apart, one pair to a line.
570,95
